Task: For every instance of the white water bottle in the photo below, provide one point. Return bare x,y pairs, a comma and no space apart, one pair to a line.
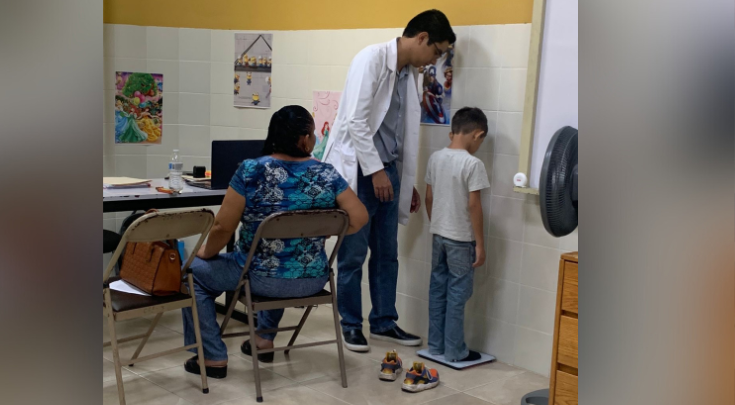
175,167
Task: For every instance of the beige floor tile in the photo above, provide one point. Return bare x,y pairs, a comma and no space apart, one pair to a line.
313,362
364,387
463,380
139,391
511,390
239,383
293,395
161,339
108,371
458,399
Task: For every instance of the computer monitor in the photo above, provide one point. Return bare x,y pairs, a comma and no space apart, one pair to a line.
227,156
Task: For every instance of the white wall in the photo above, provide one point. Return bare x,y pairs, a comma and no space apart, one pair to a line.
511,312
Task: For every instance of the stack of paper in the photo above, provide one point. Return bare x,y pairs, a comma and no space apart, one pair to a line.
124,182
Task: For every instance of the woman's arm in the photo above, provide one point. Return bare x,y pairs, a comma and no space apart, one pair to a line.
429,202
348,201
225,224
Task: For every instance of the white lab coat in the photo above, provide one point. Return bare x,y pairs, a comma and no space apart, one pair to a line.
363,105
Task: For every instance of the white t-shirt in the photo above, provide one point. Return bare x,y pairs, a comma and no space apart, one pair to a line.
453,174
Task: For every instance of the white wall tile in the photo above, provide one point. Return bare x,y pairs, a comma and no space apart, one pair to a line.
108,40
255,118
512,89
222,46
253,134
459,85
131,166
491,336
516,39
504,259
108,165
130,41
418,320
108,139
570,243
508,133
194,77
162,43
462,46
193,109
484,46
223,133
170,71
222,79
321,48
506,218
534,231
130,148
533,350
482,88
488,144
339,77
320,78
170,108
194,140
540,267
157,166
194,45
169,142
536,309
222,112
294,82
292,47
502,300
108,107
506,166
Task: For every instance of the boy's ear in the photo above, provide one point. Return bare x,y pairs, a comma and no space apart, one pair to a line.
479,134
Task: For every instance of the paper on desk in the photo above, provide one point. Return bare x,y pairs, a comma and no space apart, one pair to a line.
122,286
124,181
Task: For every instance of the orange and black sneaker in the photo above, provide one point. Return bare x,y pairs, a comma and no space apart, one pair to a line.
420,378
391,367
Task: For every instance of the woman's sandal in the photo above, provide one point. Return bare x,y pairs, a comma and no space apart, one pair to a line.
192,366
264,357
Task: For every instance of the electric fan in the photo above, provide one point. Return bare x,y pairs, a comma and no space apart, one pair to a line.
558,190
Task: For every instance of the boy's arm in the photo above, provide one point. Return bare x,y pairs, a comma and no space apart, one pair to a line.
429,200
476,218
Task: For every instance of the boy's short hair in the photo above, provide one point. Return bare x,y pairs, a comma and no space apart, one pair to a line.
433,22
469,119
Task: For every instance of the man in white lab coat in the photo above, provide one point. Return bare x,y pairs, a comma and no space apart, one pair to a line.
374,144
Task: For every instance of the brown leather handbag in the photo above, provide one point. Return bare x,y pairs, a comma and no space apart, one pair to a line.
153,267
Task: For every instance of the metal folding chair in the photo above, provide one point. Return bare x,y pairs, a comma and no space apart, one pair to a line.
288,225
120,306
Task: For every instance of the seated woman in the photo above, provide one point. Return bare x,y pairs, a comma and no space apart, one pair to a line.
285,179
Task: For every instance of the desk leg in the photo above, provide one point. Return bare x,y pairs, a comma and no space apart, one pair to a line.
222,309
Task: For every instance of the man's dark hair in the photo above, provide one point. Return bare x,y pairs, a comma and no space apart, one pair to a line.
287,126
433,22
469,119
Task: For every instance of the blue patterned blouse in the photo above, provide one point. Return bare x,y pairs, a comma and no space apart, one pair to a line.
270,185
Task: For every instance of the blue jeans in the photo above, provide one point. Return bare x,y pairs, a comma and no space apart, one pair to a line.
381,235
451,286
222,273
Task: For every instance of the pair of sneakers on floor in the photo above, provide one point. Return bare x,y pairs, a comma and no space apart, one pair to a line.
418,378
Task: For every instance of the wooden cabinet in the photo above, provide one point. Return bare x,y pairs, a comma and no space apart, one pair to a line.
565,355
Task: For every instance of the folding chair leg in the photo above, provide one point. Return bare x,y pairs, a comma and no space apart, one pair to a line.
198,335
338,332
115,353
298,328
253,345
145,338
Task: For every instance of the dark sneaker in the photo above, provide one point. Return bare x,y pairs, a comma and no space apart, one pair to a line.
354,340
397,335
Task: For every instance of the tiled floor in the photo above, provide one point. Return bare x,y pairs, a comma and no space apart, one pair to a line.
309,376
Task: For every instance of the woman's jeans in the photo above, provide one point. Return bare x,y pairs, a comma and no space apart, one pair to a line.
222,273
450,288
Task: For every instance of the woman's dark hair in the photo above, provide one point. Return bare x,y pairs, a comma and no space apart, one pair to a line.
286,127
433,22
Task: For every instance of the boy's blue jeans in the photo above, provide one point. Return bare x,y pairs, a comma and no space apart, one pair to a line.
222,273
451,286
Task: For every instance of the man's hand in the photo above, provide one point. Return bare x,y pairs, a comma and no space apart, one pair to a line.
479,256
382,186
415,201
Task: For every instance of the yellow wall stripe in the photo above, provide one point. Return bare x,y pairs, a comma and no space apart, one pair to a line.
308,14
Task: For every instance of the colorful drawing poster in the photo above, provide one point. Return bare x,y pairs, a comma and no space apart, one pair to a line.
138,108
253,63
325,111
436,98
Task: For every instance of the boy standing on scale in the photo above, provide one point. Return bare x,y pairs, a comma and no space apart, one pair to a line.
374,146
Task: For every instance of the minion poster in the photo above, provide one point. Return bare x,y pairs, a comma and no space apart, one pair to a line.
324,113
436,97
138,107
253,63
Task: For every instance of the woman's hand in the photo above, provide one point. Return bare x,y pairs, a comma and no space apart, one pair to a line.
201,253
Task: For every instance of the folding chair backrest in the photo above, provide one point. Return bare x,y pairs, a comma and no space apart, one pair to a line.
302,224
162,226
